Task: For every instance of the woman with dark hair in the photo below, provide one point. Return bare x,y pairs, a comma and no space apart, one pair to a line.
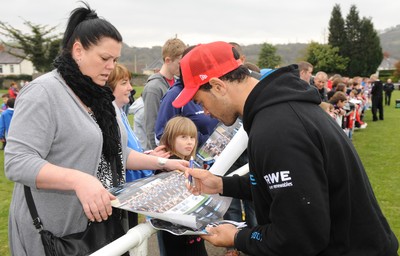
65,142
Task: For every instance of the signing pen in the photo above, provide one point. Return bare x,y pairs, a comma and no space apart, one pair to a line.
190,178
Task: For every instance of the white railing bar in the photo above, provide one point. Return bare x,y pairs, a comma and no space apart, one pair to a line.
136,237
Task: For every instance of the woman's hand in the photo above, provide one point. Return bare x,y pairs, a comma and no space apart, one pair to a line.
95,199
175,164
160,152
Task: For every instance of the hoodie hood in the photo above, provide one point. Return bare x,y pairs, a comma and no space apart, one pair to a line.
283,85
136,106
156,76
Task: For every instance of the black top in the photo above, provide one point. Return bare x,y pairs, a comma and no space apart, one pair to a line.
309,187
377,89
388,88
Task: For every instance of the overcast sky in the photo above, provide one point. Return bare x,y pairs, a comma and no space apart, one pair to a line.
145,23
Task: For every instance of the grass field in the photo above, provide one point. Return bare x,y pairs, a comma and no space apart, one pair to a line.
378,147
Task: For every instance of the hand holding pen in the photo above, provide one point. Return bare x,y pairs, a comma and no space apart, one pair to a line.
206,182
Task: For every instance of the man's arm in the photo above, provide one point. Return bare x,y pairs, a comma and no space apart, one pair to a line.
237,186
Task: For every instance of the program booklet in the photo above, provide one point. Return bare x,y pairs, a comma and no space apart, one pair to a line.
165,198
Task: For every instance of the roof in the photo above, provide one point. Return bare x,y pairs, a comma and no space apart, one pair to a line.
387,63
157,64
6,58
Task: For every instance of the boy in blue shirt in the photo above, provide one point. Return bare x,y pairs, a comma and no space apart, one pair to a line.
5,120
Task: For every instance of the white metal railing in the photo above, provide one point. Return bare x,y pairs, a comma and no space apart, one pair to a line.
136,239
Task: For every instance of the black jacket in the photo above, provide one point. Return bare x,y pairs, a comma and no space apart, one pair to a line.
388,88
377,89
311,193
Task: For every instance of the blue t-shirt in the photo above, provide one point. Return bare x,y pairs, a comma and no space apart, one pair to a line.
134,144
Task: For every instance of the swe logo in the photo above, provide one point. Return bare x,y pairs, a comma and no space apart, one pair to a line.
279,179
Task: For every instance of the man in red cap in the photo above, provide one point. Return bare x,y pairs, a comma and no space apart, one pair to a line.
309,187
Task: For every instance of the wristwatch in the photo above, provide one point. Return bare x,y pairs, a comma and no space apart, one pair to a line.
162,161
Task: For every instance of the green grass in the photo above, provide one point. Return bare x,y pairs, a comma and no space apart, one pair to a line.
378,147
6,188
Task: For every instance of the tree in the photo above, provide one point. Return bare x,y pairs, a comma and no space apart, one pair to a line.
268,57
359,42
352,46
336,36
370,47
40,47
397,71
326,58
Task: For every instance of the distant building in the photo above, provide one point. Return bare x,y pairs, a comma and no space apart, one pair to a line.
154,67
12,65
388,64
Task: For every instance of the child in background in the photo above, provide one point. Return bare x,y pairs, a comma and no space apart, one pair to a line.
180,139
13,90
356,98
5,120
339,100
5,97
329,108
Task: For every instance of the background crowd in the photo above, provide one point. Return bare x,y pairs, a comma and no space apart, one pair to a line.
346,99
97,94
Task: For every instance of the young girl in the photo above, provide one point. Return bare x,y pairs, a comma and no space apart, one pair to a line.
329,108
357,99
180,139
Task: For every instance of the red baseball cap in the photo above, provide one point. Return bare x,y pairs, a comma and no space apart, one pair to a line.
202,63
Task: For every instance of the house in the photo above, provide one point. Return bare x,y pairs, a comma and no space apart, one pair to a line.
12,65
386,70
154,67
388,64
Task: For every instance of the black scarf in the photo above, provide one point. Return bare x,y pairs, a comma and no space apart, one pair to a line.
99,99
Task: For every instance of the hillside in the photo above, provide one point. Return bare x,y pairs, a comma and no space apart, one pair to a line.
290,53
390,41
143,57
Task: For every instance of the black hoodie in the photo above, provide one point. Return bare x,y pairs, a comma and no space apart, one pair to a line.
309,187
